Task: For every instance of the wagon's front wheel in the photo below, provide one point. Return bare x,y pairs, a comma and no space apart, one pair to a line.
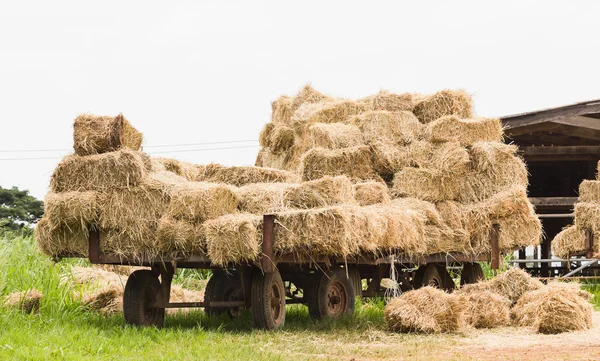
268,300
142,292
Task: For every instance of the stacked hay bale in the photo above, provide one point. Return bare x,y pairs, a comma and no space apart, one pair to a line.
511,298
571,240
427,148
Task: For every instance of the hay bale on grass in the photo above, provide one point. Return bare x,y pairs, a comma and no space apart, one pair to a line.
486,309
27,301
233,238
333,136
242,175
384,100
71,208
353,162
380,126
464,131
426,309
445,102
552,310
122,169
368,193
94,134
511,284
200,201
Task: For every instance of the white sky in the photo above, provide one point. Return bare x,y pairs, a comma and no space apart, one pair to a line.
193,72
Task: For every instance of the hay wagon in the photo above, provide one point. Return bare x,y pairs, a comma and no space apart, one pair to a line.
327,285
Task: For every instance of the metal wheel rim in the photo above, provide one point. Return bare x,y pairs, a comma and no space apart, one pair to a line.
337,299
277,302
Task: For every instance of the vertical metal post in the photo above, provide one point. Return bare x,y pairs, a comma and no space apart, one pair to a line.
94,253
522,256
589,243
494,243
266,261
545,254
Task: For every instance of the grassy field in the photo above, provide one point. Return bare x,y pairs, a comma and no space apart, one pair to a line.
64,330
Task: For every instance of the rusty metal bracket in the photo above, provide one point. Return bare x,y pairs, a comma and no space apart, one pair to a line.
494,244
267,263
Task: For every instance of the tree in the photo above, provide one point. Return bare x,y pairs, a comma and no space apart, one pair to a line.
18,209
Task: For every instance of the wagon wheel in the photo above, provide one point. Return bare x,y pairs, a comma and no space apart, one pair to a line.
223,287
433,275
142,291
332,295
268,300
471,273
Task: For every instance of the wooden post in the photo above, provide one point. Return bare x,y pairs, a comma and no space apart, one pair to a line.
266,261
522,256
494,243
94,253
589,243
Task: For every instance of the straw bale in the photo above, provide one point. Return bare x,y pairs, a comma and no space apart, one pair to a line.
442,103
281,110
115,170
56,241
101,134
27,301
233,238
552,310
396,127
570,241
179,235
486,309
452,214
389,158
427,209
326,112
384,100
242,175
262,198
372,192
281,139
186,170
589,191
464,131
404,229
587,216
71,208
511,284
427,184
200,201
333,136
353,162
307,95
268,159
264,139
427,303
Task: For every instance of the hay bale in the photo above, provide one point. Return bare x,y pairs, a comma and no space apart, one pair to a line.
64,240
174,235
464,131
404,229
235,238
552,310
262,198
122,169
383,126
264,139
71,208
511,284
281,110
372,192
27,301
384,100
186,170
589,191
281,139
424,305
427,184
268,159
94,134
307,95
443,103
242,175
486,309
326,112
353,162
200,201
570,241
333,136
587,216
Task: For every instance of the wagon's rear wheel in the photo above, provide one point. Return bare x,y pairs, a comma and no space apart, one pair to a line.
471,273
142,292
268,300
433,275
332,295
223,287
